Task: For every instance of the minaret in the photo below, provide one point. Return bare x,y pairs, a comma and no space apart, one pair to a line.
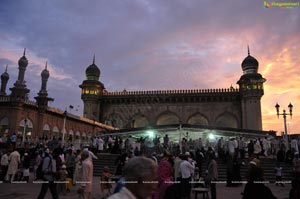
251,90
42,98
4,80
23,62
19,91
92,90
45,76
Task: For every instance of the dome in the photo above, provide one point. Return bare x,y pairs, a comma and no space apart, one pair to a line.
45,74
23,61
5,76
250,64
92,72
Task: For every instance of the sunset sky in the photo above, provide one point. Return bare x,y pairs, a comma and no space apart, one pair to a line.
154,45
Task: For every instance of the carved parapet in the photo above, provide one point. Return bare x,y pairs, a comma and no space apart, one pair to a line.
4,99
172,92
29,102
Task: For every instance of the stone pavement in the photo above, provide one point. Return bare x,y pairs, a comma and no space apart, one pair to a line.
31,191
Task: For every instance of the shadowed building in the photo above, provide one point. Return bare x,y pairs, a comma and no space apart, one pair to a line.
34,119
224,107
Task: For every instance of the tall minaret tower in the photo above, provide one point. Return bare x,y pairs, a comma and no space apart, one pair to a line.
4,80
42,98
251,89
19,91
92,90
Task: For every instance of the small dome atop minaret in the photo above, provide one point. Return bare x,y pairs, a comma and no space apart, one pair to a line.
250,64
45,73
93,70
23,60
5,75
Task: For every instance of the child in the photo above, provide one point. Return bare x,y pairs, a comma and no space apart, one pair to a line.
62,174
278,171
105,184
26,164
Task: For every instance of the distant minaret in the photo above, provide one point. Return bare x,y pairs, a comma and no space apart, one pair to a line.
42,98
251,89
92,90
23,62
19,91
45,76
4,80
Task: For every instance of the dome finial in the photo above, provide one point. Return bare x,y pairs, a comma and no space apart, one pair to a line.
24,52
94,59
248,49
6,68
46,65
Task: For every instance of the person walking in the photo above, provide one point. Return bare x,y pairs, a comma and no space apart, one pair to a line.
14,161
62,177
164,172
212,175
49,170
87,176
4,165
278,173
186,169
26,165
78,166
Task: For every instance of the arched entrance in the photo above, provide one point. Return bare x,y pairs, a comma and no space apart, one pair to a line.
167,118
25,128
139,121
4,126
55,132
227,120
46,131
198,119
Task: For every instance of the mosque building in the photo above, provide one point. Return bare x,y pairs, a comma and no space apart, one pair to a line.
237,108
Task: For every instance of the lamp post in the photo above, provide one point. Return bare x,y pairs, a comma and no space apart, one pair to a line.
284,114
64,128
24,130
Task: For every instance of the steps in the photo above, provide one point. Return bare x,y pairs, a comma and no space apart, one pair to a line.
267,164
105,159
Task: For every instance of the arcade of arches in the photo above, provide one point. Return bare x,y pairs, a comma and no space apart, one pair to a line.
53,125
225,119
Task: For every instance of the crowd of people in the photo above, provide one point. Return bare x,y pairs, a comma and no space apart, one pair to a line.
160,169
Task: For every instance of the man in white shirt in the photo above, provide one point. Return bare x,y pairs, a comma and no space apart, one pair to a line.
294,146
86,184
257,148
231,148
14,161
186,169
91,154
100,144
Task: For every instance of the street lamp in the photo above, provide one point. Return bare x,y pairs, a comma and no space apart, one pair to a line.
284,114
64,127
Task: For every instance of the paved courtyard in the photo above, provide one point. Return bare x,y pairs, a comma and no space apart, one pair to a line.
31,191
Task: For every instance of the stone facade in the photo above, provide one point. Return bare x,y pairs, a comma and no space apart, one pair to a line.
35,118
227,107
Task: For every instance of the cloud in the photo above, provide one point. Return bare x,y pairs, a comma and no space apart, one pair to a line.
152,45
